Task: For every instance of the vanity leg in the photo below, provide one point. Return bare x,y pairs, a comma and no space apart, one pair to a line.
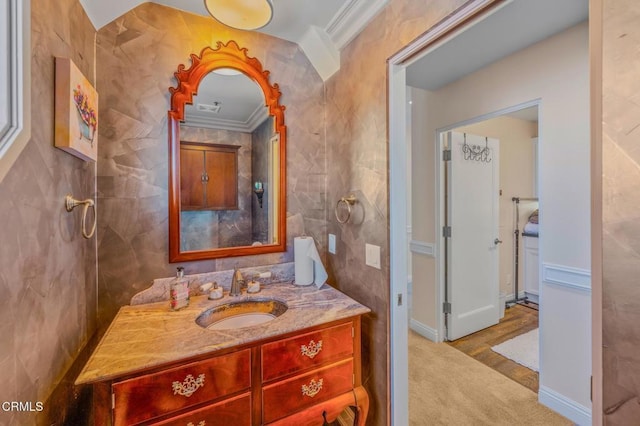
362,404
328,411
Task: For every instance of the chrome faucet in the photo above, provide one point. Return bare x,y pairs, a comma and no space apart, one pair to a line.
236,283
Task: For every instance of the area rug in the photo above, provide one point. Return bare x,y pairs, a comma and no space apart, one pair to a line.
522,349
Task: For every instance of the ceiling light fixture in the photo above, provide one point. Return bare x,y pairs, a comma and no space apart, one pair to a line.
241,14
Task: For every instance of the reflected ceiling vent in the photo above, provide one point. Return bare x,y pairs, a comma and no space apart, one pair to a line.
212,109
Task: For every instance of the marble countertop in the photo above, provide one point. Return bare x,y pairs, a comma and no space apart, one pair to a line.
151,335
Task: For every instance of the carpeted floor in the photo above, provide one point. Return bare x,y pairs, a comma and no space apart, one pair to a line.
446,387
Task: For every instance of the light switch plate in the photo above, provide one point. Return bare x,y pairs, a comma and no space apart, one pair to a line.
332,244
372,255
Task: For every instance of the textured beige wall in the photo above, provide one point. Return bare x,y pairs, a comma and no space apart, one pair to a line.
137,55
621,216
132,171
47,270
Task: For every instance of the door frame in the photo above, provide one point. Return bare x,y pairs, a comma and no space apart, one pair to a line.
399,146
440,197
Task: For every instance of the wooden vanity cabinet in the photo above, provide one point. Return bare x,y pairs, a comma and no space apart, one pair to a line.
208,176
234,411
299,378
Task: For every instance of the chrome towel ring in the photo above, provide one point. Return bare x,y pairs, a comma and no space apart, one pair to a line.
349,201
71,203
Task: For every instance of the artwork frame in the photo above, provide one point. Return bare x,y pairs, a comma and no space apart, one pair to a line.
76,111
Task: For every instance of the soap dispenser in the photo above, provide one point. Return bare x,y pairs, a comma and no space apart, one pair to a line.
179,291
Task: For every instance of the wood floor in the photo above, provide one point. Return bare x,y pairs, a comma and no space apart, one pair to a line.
517,320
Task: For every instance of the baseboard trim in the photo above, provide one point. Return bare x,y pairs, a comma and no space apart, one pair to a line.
565,276
423,330
575,412
511,296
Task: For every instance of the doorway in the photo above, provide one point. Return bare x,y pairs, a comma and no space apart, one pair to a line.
526,83
492,225
490,197
470,240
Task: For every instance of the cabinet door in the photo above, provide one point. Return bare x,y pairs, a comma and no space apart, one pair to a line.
531,264
221,167
156,394
235,411
192,182
288,396
306,351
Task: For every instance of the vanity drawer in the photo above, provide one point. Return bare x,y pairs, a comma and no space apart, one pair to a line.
288,396
235,411
308,350
152,395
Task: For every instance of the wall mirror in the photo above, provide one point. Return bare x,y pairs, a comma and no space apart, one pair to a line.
227,145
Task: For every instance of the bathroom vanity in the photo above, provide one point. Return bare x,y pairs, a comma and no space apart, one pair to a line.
154,366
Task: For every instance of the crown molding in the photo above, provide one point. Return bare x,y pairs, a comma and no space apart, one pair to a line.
257,117
351,19
321,52
323,45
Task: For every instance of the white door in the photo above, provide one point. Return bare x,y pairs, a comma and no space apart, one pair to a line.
472,272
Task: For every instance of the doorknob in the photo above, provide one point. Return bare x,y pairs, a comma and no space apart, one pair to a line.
497,241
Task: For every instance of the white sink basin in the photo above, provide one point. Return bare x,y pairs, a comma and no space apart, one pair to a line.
240,321
245,313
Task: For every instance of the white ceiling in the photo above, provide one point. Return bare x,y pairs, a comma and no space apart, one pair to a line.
528,114
291,17
241,102
321,27
518,24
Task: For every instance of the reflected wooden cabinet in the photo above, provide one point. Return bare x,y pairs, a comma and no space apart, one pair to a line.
208,176
301,378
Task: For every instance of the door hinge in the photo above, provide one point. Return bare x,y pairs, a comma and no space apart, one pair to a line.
591,391
399,299
113,401
353,379
446,231
446,155
446,307
353,332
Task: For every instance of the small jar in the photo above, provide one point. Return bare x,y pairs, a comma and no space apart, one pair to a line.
253,286
216,292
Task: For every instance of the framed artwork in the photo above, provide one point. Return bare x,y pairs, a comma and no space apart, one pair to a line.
76,114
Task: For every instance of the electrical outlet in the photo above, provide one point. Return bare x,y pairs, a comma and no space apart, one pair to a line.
372,255
332,244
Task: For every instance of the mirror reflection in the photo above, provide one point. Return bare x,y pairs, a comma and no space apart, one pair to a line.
229,165
227,158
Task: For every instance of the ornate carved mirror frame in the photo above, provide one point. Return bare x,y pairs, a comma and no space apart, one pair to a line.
228,55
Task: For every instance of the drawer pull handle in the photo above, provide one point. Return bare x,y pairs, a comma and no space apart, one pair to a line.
202,423
188,386
312,349
312,389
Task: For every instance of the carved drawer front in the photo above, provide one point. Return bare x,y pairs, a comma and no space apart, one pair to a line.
152,395
288,396
235,411
308,350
